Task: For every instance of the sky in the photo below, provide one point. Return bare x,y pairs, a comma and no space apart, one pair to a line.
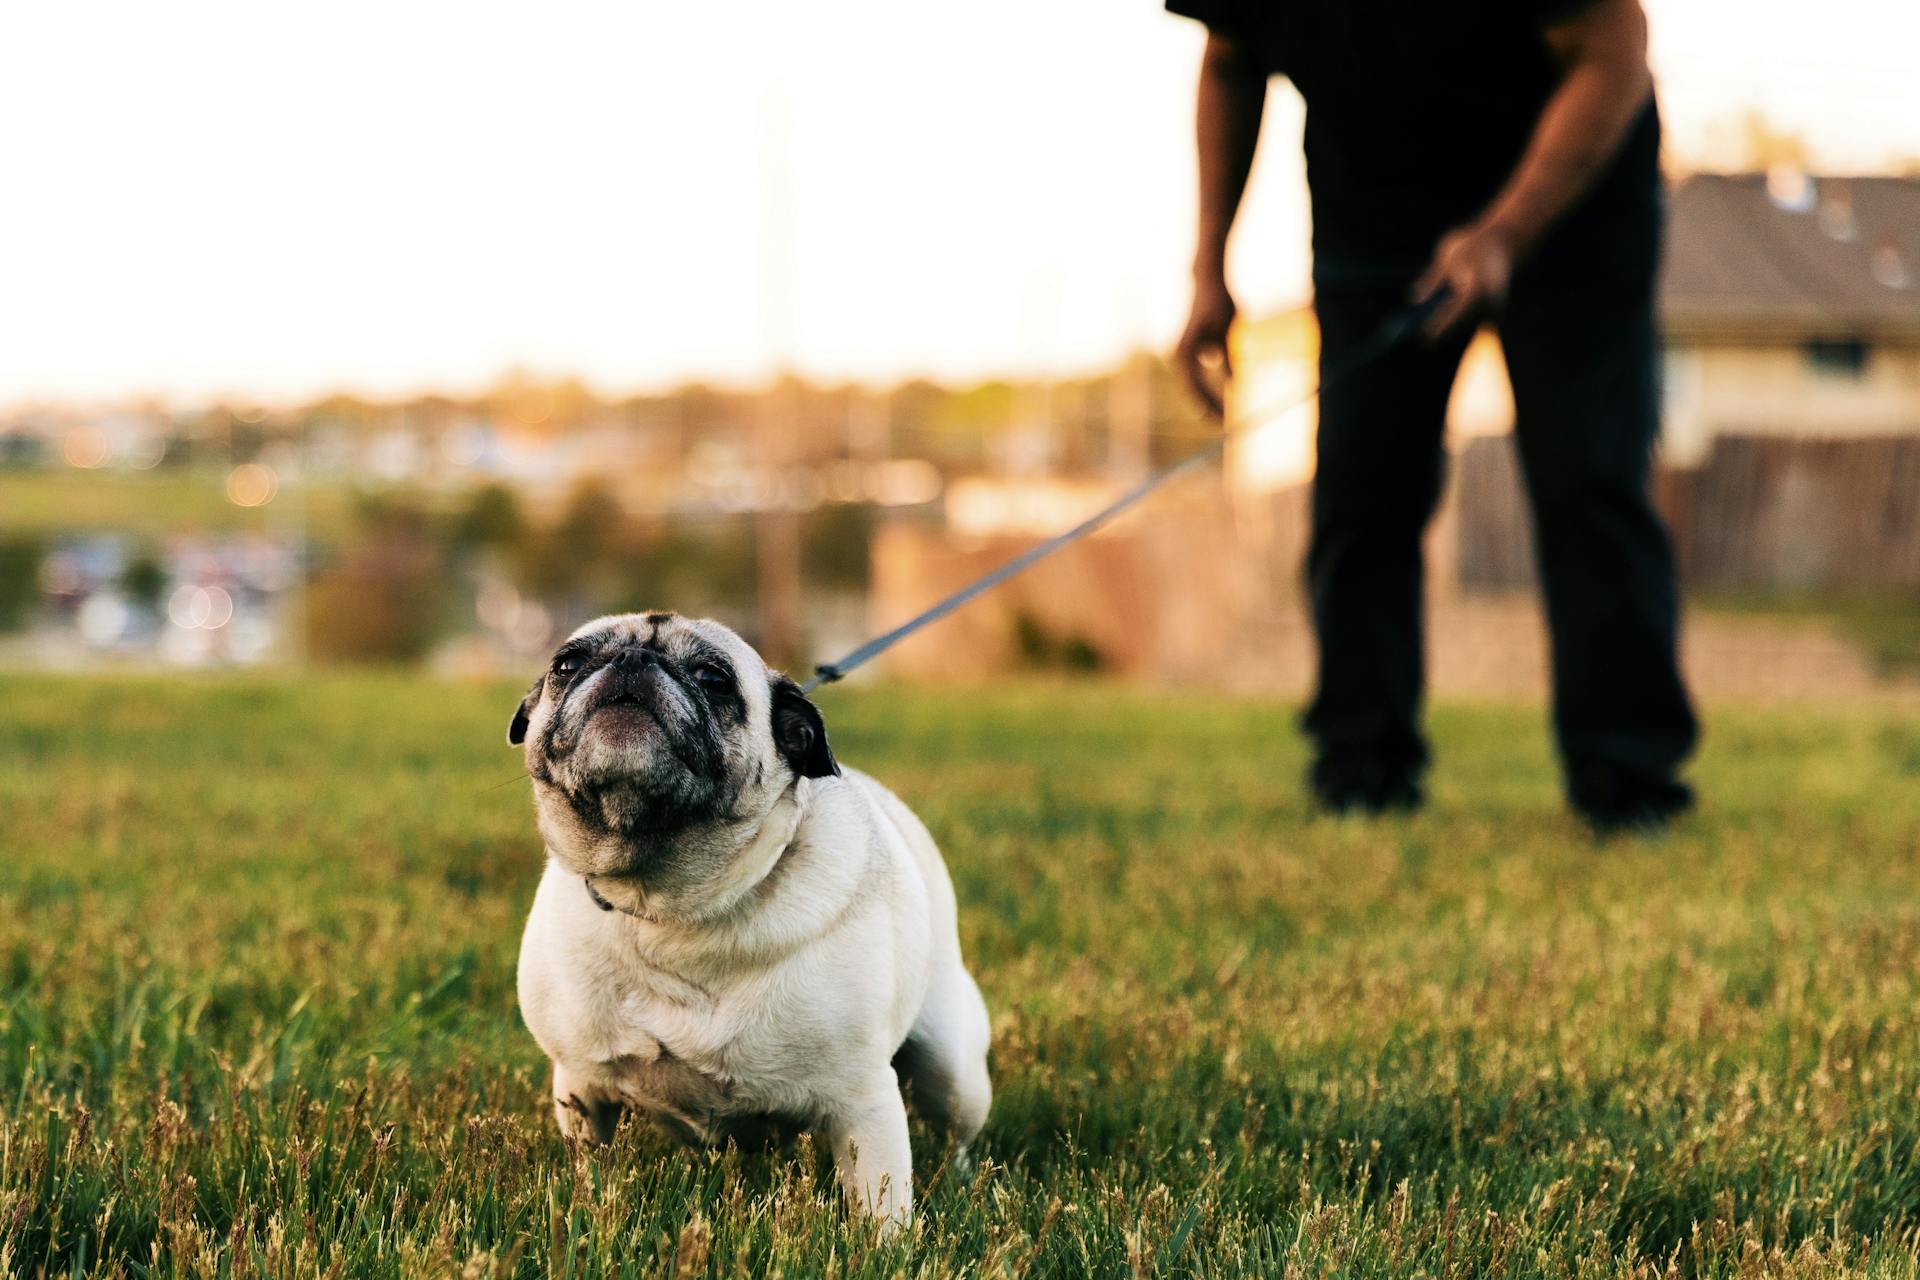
269,201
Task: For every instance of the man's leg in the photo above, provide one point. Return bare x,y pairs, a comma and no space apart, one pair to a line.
1583,354
1374,488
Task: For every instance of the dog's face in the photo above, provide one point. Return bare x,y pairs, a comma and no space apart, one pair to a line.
648,732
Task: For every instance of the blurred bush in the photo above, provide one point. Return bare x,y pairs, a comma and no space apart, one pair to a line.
412,571
1043,649
382,600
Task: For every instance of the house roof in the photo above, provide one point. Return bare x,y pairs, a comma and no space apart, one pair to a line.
1785,255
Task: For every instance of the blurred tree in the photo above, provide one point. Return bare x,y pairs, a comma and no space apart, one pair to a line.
19,581
347,412
911,405
960,423
835,544
384,598
584,548
525,402
593,522
144,581
379,603
694,568
22,451
491,518
433,414
389,513
703,409
244,439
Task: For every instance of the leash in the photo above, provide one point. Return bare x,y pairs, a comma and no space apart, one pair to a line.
1394,330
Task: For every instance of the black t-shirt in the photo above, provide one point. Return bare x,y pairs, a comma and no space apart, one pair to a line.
1417,111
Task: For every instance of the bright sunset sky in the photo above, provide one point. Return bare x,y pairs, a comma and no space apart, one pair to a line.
217,197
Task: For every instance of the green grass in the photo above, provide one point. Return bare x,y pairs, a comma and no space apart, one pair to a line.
257,1016
152,503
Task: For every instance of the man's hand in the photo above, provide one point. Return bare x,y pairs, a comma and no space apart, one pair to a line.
1604,85
1232,97
1203,347
1473,264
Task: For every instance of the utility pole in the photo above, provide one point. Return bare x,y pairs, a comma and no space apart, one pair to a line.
869,426
777,520
1130,401
777,529
1130,418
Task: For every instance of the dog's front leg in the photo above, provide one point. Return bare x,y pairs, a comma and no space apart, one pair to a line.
585,1112
871,1152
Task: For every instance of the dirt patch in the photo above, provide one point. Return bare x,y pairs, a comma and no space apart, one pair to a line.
1497,647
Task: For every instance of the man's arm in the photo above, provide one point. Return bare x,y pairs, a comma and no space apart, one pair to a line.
1605,83
1232,97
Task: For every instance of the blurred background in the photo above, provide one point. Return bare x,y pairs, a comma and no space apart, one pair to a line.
418,335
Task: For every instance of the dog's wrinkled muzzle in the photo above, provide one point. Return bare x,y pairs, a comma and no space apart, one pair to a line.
639,683
638,678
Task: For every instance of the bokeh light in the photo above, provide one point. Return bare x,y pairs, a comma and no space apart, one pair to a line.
103,618
252,484
85,447
200,608
145,452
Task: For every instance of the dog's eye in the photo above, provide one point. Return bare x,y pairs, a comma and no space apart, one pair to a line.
566,664
713,679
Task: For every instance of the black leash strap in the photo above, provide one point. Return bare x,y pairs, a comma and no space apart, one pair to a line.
1393,331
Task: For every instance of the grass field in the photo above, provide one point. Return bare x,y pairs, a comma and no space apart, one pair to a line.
155,503
257,1017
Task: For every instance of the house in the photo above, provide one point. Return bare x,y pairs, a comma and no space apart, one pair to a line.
1791,305
1790,457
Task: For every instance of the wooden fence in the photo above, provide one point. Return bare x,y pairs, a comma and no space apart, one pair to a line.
1767,513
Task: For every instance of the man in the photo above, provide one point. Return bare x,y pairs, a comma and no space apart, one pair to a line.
1506,151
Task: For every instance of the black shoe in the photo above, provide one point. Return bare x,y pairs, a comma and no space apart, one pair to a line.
1615,802
1367,785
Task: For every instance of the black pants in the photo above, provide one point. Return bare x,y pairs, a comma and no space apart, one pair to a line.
1582,352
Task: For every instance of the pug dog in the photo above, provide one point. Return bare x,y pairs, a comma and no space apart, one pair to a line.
734,934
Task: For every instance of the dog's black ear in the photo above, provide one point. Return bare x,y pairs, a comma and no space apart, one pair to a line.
800,733
517,731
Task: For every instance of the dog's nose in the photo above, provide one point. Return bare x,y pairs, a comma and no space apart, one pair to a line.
637,663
